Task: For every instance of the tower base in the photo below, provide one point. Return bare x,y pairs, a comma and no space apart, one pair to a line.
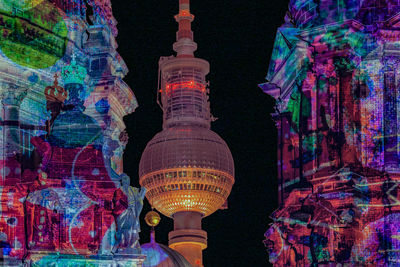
188,238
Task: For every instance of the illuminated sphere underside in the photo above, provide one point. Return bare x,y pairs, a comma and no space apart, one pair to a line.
187,169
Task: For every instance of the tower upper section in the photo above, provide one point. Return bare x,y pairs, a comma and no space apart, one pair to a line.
182,82
183,91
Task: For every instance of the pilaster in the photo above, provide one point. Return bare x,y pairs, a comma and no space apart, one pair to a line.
11,98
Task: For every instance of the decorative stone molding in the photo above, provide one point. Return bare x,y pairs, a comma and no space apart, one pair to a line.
12,95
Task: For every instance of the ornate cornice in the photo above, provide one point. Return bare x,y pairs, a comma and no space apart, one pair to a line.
113,87
11,94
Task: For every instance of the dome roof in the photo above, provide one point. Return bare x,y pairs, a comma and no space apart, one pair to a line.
158,255
186,146
73,128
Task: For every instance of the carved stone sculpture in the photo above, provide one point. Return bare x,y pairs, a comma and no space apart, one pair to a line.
128,203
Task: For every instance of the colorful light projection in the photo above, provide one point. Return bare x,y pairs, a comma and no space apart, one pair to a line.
73,204
63,196
335,77
32,33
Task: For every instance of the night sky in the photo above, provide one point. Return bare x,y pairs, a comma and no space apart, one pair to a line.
236,37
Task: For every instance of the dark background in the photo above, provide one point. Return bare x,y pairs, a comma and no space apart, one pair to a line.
236,37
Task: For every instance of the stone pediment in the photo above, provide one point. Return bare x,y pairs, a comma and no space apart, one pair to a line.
282,79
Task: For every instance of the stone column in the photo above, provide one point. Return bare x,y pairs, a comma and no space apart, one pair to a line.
109,146
11,97
390,127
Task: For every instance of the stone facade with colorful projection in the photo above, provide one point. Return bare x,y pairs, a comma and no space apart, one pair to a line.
64,200
335,75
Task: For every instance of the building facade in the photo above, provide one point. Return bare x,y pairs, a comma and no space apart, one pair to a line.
64,198
335,77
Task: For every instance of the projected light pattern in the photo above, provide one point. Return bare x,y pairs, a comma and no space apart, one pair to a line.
334,72
63,197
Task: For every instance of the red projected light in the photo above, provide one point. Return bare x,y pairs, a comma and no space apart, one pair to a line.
189,85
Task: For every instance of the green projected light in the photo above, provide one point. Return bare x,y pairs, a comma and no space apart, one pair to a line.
21,4
32,33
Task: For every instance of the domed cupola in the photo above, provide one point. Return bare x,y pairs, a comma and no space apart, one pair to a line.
159,255
72,128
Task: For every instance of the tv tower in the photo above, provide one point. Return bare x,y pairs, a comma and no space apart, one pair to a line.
187,169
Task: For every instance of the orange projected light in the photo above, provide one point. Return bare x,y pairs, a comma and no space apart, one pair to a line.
187,189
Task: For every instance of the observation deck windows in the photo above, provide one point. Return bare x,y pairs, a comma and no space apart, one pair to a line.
185,94
195,186
168,181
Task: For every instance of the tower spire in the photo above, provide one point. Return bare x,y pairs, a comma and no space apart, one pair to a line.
184,45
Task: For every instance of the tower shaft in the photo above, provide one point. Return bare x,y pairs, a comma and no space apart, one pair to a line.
188,238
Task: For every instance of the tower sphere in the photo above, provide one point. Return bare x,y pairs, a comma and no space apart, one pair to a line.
152,218
187,169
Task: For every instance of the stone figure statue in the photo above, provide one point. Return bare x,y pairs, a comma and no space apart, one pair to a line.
128,203
42,206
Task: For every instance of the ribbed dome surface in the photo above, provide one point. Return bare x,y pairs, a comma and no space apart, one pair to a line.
159,255
184,147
